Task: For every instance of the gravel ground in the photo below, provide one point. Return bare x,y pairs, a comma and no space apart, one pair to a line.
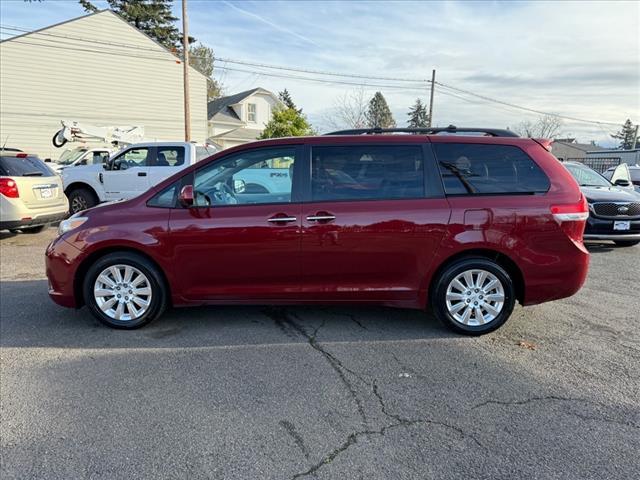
326,393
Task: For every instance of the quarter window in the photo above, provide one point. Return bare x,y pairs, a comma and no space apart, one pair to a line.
367,172
250,177
477,169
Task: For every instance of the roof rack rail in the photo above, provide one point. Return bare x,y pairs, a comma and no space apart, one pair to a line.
493,132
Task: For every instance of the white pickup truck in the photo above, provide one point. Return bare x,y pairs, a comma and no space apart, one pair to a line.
129,172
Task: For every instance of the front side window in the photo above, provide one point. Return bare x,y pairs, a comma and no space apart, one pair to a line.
250,177
251,112
367,172
136,157
169,156
482,169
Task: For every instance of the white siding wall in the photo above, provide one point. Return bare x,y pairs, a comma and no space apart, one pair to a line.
45,79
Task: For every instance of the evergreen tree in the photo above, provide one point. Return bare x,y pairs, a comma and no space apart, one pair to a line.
418,115
287,122
285,97
378,114
153,17
201,58
627,136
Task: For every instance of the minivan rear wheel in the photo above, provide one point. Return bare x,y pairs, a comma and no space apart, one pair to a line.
125,290
473,296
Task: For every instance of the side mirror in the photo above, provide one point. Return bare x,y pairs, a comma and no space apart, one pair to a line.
186,196
105,166
621,182
239,186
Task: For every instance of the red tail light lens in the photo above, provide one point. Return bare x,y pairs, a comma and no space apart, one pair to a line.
8,188
572,217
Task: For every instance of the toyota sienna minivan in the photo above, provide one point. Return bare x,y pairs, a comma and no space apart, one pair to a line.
465,225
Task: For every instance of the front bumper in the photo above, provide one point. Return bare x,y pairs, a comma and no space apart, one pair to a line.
33,222
62,261
602,229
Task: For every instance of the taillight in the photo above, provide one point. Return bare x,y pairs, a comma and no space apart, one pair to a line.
8,187
572,217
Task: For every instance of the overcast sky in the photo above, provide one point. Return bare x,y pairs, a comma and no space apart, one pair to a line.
580,59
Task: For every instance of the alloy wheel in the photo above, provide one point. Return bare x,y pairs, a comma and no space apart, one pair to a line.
475,297
122,292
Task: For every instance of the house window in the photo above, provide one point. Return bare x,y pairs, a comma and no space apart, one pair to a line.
251,112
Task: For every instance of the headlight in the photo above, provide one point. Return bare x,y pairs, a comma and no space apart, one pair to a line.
71,223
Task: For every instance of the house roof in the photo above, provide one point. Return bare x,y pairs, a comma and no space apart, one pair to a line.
101,12
220,108
583,147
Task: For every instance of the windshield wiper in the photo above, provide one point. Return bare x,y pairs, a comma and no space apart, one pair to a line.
32,174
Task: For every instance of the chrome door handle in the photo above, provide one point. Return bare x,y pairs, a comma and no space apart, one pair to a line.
282,219
321,218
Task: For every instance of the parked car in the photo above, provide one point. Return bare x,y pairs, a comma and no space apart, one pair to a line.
129,172
465,224
75,157
31,195
634,173
614,210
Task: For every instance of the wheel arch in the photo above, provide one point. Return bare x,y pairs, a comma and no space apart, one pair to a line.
84,266
501,259
79,184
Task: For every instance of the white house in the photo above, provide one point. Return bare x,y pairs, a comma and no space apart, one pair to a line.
240,118
96,69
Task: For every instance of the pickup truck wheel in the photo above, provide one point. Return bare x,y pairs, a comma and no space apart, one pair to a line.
81,199
473,296
626,243
125,290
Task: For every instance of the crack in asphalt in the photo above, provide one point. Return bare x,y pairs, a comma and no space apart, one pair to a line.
285,322
297,438
558,398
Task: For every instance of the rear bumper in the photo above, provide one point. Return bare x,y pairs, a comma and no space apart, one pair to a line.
62,261
34,222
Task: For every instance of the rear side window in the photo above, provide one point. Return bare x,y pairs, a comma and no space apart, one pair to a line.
169,156
367,172
479,169
24,167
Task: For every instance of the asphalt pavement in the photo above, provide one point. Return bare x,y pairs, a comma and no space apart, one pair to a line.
319,392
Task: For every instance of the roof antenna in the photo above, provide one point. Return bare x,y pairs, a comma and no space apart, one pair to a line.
5,142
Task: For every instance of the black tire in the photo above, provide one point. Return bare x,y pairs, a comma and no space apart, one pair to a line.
159,291
58,143
626,243
449,273
80,199
37,229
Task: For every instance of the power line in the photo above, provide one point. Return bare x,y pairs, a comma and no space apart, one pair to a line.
512,105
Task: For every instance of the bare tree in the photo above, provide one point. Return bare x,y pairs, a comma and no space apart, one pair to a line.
546,126
349,110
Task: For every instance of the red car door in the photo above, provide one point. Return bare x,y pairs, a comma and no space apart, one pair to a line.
372,224
240,241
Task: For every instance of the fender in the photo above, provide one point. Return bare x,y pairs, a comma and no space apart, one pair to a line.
87,176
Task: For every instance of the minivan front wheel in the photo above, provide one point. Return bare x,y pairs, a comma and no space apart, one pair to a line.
473,296
124,290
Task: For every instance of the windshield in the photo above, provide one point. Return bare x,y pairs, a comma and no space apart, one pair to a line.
587,177
70,156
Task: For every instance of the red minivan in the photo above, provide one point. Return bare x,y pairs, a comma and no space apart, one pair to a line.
464,221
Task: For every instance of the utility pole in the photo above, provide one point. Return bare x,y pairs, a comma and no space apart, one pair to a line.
433,86
635,139
185,72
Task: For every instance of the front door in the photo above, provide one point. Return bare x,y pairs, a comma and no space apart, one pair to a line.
237,243
375,219
128,175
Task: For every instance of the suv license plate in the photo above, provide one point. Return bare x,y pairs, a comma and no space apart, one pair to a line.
47,193
622,225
